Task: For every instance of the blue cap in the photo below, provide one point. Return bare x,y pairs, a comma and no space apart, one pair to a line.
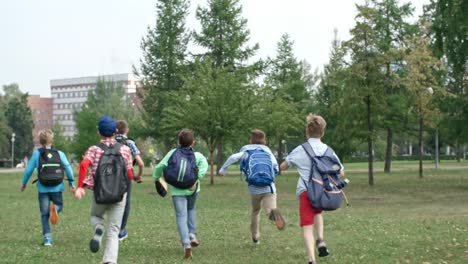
106,126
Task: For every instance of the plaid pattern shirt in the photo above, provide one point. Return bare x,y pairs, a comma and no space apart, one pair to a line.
94,154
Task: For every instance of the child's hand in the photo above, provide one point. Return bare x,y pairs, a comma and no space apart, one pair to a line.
79,193
72,189
22,188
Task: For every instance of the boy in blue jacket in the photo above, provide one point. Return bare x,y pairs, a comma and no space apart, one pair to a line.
50,164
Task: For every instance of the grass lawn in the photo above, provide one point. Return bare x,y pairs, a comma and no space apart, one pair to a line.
402,219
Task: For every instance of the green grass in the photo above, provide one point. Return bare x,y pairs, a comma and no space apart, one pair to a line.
402,219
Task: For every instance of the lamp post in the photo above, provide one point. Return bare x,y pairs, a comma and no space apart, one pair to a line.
13,150
430,91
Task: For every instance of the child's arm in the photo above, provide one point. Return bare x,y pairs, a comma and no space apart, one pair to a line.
234,158
202,164
158,169
32,164
68,171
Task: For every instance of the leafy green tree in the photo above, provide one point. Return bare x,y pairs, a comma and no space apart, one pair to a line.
224,36
107,99
392,28
19,118
287,81
4,131
421,82
364,98
60,141
203,106
449,35
164,61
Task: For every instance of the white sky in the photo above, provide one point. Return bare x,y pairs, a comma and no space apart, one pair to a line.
54,39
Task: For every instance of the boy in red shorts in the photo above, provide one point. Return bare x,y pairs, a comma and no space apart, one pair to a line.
309,216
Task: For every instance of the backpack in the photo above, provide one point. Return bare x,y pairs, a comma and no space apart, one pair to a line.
258,168
324,184
125,141
181,171
50,167
110,179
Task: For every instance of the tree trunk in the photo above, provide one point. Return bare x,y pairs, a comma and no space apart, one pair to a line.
389,151
211,166
219,155
421,150
370,147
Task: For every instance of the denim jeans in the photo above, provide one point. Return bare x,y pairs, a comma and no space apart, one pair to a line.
44,206
114,214
186,216
127,206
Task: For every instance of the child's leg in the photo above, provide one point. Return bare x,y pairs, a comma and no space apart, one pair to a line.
318,219
269,202
192,213
255,218
57,199
114,219
309,241
127,206
180,207
44,202
307,213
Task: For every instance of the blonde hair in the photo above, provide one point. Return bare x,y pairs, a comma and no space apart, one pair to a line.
46,136
315,126
257,136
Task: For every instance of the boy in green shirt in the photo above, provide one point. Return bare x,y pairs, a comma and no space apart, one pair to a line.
184,199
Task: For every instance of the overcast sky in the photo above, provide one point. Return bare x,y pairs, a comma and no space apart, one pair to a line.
54,39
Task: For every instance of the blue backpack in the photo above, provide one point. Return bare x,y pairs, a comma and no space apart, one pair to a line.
181,171
258,168
324,185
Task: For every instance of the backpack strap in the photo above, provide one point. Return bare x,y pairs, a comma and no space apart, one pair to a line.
308,149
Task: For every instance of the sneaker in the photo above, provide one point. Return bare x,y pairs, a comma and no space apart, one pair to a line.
188,253
322,248
95,243
53,214
276,216
47,241
123,234
194,241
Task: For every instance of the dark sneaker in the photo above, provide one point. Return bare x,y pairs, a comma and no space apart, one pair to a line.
188,253
53,214
123,234
322,248
255,242
276,216
95,243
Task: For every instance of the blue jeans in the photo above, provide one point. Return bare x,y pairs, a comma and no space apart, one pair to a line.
44,206
186,216
127,206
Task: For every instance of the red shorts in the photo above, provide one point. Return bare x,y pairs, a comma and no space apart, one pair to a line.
306,211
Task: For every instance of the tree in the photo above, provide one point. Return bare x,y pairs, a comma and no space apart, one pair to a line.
287,81
19,118
107,99
164,60
4,130
60,141
224,36
449,36
203,106
392,29
421,82
364,80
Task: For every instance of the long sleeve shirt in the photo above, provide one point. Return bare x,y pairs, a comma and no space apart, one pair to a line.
34,164
202,165
242,154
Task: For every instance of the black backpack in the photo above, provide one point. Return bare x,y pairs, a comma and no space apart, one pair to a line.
181,171
50,167
110,179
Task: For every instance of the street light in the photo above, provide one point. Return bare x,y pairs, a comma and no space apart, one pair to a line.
13,150
429,91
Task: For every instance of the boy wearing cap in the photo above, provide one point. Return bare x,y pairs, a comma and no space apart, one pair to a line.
107,129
